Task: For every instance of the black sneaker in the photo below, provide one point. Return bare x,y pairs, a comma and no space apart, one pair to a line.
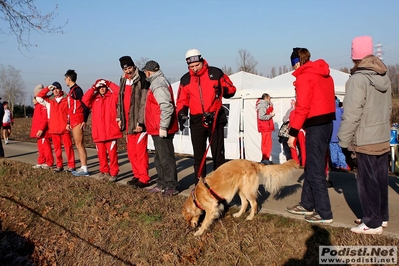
70,170
140,184
58,169
133,181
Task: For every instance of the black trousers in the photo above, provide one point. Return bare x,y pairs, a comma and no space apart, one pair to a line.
372,186
199,137
314,190
165,162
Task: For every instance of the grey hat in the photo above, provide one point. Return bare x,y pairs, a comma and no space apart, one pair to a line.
151,66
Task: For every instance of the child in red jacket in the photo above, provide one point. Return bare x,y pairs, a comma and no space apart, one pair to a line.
102,99
57,103
265,114
39,130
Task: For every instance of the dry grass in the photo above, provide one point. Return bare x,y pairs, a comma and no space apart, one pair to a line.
65,220
49,219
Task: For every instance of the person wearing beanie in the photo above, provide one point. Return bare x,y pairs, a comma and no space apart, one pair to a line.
77,118
131,107
366,127
39,131
265,114
8,121
314,112
199,97
102,99
57,103
161,124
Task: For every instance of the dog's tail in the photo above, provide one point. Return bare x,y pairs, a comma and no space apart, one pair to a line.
275,175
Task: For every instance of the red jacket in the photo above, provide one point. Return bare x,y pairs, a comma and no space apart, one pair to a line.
315,97
213,84
265,125
58,117
39,122
103,113
75,107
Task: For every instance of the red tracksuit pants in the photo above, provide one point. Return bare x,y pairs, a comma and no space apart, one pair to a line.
266,145
300,139
66,140
138,155
105,150
45,152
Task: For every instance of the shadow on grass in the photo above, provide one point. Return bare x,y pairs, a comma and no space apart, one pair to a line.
320,237
65,229
15,249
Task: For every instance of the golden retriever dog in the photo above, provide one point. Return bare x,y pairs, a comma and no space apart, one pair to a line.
242,176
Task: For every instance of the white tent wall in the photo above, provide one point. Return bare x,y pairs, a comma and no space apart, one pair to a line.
282,91
252,138
250,87
241,80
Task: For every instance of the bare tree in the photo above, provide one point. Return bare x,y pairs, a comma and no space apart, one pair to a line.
12,85
227,70
246,62
393,74
273,73
23,17
141,62
344,69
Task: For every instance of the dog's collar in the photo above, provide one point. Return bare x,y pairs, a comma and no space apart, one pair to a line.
213,193
196,203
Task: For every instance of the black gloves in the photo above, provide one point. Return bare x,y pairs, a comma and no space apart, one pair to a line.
182,121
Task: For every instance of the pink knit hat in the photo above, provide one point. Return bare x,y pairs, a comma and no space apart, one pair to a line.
361,47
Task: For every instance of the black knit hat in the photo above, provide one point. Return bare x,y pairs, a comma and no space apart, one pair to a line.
151,66
57,85
126,61
295,56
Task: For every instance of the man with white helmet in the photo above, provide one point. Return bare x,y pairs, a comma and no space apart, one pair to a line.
200,91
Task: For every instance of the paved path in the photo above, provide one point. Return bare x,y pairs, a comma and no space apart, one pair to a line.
344,198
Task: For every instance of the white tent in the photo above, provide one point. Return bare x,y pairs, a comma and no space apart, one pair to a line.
242,139
282,91
242,81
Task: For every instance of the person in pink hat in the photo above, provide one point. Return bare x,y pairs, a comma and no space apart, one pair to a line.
366,126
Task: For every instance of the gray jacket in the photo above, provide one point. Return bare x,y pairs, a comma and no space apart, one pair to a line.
160,88
367,108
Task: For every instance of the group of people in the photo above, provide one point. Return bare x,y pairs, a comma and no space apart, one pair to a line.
142,104
365,127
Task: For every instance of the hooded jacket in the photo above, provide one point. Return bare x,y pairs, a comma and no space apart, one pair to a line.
160,110
39,122
265,119
367,108
315,97
103,113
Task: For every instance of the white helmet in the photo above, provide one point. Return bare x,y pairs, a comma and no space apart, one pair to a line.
193,55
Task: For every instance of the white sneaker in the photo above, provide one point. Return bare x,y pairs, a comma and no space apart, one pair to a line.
363,229
37,166
384,224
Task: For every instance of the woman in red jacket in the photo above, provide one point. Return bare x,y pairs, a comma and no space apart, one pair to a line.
314,112
102,99
39,130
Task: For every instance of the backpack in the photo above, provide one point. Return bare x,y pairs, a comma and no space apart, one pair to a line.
283,131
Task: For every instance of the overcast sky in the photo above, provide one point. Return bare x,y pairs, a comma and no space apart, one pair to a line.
99,32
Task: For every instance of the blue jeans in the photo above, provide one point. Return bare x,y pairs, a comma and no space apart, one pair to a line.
314,190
